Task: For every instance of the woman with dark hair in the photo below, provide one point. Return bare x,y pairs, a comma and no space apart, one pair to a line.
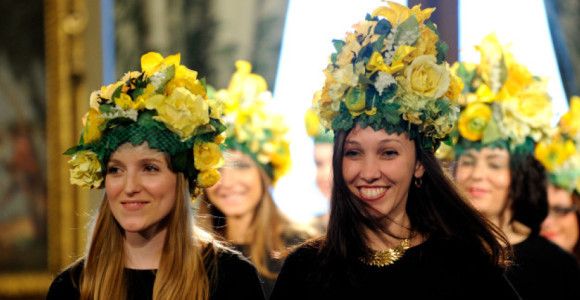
148,159
504,117
397,226
561,157
240,208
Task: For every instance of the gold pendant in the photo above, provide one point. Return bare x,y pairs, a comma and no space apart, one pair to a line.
388,256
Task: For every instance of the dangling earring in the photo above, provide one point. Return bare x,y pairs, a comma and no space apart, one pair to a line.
418,182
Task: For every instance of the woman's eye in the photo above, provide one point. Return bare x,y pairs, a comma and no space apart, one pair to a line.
466,163
151,168
112,170
390,153
496,165
351,153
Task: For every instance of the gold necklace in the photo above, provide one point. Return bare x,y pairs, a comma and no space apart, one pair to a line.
386,257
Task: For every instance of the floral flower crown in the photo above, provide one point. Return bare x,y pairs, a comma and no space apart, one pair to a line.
502,104
164,105
560,155
314,129
251,129
390,73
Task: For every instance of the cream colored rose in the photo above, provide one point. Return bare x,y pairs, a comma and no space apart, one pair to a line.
85,169
531,108
426,78
182,112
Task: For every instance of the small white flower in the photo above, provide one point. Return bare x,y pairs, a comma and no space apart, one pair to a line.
382,81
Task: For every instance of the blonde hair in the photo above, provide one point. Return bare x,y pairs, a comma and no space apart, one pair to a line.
266,231
181,274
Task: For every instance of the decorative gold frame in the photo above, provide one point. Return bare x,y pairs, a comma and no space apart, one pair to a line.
65,38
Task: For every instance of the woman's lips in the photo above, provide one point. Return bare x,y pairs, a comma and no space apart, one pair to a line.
133,205
372,193
477,192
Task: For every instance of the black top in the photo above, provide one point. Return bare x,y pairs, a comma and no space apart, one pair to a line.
542,270
435,269
236,279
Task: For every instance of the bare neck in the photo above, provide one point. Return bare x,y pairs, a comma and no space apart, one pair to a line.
237,228
143,250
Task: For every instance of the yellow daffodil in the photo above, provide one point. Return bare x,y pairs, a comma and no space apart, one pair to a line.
152,62
473,120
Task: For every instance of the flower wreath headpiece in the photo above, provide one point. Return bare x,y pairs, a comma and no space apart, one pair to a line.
251,128
503,105
561,154
390,73
314,129
164,105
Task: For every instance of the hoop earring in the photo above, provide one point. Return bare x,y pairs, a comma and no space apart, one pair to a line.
418,182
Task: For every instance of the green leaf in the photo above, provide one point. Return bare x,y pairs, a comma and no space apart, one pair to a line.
491,133
409,28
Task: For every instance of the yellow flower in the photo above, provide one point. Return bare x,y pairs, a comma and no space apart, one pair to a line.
455,88
491,52
182,112
473,120
208,178
85,169
186,78
206,156
484,94
216,108
531,107
376,62
244,85
552,154
92,121
312,123
570,121
518,77
124,101
397,13
426,44
426,78
107,91
152,62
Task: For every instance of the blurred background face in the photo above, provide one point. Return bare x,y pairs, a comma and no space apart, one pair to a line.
379,167
140,187
323,160
561,225
484,177
240,189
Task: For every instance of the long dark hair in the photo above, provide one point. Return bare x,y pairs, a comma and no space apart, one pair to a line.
528,196
435,210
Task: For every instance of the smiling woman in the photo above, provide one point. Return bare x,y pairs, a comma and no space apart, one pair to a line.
395,218
151,140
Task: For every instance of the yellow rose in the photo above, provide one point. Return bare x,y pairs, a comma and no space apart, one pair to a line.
397,13
182,112
518,77
426,78
186,78
92,121
208,178
570,121
473,120
206,156
85,169
216,108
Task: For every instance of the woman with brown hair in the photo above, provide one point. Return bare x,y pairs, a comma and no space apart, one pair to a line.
150,140
240,207
398,228
506,112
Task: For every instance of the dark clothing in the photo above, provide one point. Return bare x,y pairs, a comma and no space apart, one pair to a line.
435,269
274,264
542,270
236,279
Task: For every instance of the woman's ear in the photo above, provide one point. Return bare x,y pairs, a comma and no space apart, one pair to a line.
419,170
